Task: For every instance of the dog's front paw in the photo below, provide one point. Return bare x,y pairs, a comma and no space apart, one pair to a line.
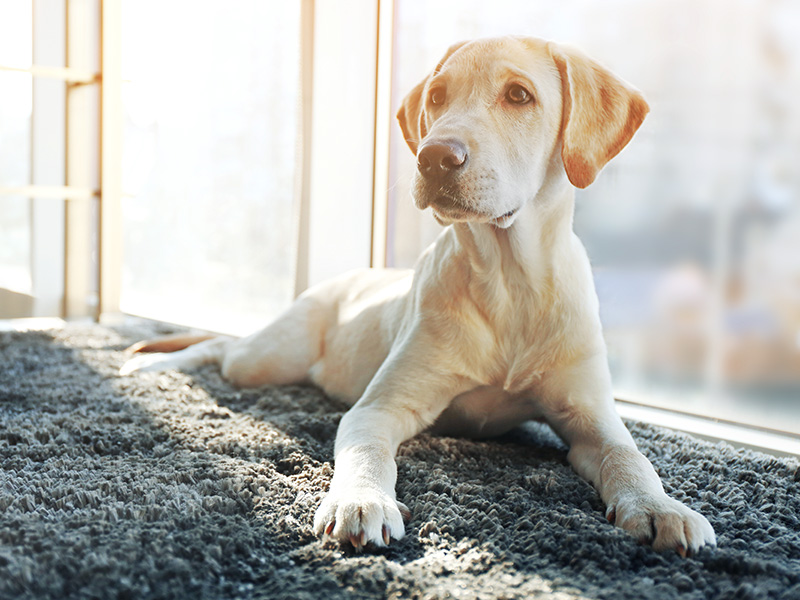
361,516
663,522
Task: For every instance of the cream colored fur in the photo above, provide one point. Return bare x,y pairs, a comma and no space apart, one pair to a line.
498,323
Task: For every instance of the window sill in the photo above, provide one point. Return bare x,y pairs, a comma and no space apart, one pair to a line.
740,436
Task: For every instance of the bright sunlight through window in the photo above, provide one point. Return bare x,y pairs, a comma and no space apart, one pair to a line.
209,160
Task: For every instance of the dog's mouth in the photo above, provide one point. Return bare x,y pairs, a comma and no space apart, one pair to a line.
505,219
447,210
448,217
449,207
445,203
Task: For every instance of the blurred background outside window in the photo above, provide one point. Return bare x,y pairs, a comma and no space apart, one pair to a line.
15,151
209,151
694,229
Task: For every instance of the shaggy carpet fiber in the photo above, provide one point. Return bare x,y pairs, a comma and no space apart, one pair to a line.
178,485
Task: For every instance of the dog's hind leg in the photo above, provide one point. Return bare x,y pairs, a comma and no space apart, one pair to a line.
279,354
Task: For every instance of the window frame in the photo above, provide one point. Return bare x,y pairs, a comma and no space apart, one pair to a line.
68,177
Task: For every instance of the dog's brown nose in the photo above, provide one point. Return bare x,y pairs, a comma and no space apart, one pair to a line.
436,160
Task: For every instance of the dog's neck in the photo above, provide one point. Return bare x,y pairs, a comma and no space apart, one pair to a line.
533,244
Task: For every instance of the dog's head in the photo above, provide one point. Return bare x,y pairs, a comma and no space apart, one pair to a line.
487,121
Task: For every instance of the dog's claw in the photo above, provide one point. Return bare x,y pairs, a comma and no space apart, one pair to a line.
681,549
611,515
358,541
386,537
329,528
404,512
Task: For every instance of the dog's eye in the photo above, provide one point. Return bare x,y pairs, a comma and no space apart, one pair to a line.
437,96
516,94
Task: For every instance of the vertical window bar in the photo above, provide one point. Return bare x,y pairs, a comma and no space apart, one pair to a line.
303,184
110,210
81,166
383,124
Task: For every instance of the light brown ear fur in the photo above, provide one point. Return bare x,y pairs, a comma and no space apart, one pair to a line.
410,116
412,111
601,114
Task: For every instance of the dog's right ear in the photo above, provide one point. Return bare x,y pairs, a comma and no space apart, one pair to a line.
412,111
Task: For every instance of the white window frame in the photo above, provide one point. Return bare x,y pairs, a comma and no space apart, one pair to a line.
70,171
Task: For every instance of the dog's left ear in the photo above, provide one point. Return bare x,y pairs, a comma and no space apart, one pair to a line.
601,114
412,111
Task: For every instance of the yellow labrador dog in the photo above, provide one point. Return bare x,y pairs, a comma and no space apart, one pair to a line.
498,323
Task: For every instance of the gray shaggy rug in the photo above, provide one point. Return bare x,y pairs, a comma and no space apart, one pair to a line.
178,485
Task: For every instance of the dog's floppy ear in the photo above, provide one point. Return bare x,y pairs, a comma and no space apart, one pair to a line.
412,111
410,116
601,114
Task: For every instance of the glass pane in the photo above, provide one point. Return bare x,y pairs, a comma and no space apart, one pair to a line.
694,229
15,154
209,159
16,30
15,274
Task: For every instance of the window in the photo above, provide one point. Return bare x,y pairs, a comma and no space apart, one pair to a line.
243,186
209,158
50,207
15,132
694,229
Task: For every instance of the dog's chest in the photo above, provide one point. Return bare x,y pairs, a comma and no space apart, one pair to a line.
527,335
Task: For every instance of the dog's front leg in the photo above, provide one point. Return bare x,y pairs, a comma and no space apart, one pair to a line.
580,408
406,395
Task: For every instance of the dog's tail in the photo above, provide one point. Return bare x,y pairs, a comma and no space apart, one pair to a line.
169,343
